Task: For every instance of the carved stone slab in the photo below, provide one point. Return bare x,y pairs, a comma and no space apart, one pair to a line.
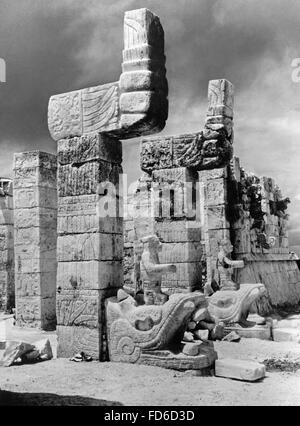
136,104
205,150
220,98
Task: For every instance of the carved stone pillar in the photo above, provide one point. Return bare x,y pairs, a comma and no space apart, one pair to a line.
87,125
7,266
35,223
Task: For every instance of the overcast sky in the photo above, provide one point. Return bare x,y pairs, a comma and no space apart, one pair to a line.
60,45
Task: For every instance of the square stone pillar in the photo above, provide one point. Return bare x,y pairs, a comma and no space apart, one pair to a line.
7,267
214,203
35,225
90,241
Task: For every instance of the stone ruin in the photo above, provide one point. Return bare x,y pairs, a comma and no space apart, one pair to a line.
65,254
7,267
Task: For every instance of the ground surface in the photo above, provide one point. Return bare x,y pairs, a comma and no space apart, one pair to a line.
60,381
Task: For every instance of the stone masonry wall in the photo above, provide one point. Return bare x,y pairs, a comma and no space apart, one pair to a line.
246,209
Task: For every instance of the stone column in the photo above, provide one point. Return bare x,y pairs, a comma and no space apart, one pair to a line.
213,178
87,124
35,223
7,281
90,241
216,225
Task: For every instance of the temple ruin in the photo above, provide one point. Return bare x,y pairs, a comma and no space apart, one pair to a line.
66,253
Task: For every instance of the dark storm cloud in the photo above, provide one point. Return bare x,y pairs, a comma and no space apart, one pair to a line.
61,45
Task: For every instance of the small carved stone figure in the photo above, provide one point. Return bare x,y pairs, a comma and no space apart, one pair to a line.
225,267
152,271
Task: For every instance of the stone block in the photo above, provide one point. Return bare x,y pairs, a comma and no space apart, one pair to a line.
89,275
262,332
77,151
216,192
86,178
35,197
187,276
292,321
88,223
33,159
249,371
77,308
219,173
220,98
35,265
216,217
42,284
36,217
13,351
36,312
82,247
286,335
181,252
73,340
35,176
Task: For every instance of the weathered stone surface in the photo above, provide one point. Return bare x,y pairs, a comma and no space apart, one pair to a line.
42,284
35,223
73,340
84,247
89,275
178,231
286,335
77,151
190,150
36,312
202,335
13,351
220,98
7,288
254,331
90,241
281,278
78,308
42,352
292,321
209,149
35,197
33,159
128,344
233,306
80,214
191,349
249,371
135,105
232,337
90,174
181,252
188,275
